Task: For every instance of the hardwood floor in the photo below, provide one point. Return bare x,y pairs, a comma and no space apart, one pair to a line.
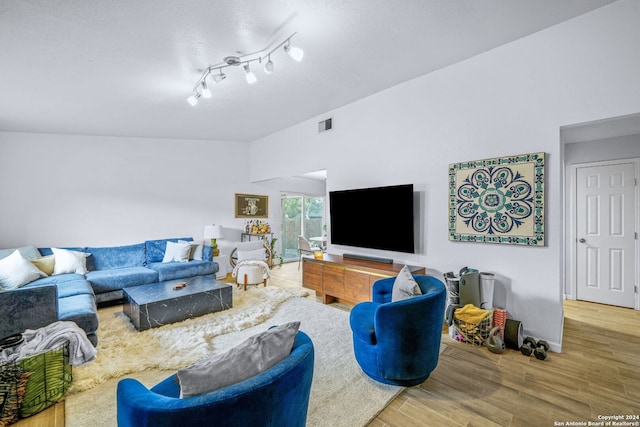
51,417
597,374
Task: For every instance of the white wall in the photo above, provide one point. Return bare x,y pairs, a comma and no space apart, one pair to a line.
510,100
67,190
621,147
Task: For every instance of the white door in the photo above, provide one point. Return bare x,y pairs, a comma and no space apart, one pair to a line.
606,258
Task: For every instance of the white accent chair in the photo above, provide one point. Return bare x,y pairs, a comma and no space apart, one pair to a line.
251,262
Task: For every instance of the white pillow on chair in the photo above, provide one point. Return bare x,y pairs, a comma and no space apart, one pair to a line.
257,255
250,246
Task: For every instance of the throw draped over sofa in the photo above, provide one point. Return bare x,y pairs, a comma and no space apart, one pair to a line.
399,342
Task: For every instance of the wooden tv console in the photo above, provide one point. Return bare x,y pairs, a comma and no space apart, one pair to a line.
348,280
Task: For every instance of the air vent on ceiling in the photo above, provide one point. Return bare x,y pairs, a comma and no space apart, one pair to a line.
325,125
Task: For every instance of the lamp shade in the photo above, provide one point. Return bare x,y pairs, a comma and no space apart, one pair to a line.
213,232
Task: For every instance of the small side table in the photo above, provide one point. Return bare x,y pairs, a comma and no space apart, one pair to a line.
222,266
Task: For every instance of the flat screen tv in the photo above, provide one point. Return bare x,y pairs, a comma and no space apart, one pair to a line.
376,218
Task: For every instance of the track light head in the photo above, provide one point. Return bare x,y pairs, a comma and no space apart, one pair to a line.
251,78
193,99
219,77
295,52
206,92
268,67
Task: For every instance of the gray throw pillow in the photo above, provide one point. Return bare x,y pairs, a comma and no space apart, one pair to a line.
405,286
251,357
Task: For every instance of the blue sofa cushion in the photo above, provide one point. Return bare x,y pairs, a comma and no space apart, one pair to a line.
155,248
58,278
106,258
108,280
80,309
71,287
48,251
179,270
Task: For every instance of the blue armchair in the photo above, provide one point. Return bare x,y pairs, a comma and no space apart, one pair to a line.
399,342
276,397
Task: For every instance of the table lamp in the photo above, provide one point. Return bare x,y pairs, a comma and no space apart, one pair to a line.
213,232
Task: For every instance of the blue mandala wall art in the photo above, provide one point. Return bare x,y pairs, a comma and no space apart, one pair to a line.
499,200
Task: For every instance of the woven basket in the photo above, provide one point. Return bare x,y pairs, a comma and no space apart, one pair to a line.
474,333
50,378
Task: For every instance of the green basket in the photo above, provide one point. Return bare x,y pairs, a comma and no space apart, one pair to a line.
50,378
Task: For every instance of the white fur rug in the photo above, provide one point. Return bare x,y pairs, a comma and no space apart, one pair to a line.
122,350
341,394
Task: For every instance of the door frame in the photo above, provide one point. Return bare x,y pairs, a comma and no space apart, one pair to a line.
572,244
302,212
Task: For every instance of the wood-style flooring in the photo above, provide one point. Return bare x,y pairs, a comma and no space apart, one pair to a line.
597,374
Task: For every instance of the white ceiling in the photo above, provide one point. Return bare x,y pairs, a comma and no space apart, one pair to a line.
125,68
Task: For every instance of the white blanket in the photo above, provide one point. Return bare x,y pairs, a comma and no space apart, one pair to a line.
263,266
81,350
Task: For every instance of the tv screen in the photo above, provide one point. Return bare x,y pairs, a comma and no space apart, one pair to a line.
376,218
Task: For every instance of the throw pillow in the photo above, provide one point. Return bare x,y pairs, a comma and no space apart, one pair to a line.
177,251
197,250
257,254
66,261
29,252
253,356
16,271
250,246
44,264
405,286
13,383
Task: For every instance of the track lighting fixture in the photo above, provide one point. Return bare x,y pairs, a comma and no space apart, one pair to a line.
219,77
268,67
206,92
295,52
193,99
251,78
214,72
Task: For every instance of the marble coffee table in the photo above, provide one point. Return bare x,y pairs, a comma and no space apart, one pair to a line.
158,304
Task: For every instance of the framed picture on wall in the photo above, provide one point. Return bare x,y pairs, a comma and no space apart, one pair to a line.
499,200
251,206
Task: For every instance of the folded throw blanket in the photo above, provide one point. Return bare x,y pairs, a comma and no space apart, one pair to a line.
81,350
263,265
471,314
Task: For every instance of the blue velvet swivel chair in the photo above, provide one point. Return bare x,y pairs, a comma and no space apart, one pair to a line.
278,396
399,342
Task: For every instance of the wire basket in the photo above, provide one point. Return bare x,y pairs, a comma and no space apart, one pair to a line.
473,333
50,378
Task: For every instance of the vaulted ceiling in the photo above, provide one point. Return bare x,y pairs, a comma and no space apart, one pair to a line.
126,68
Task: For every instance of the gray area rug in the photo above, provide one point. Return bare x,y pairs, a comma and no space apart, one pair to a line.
341,395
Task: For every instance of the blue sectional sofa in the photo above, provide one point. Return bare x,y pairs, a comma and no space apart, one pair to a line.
109,271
